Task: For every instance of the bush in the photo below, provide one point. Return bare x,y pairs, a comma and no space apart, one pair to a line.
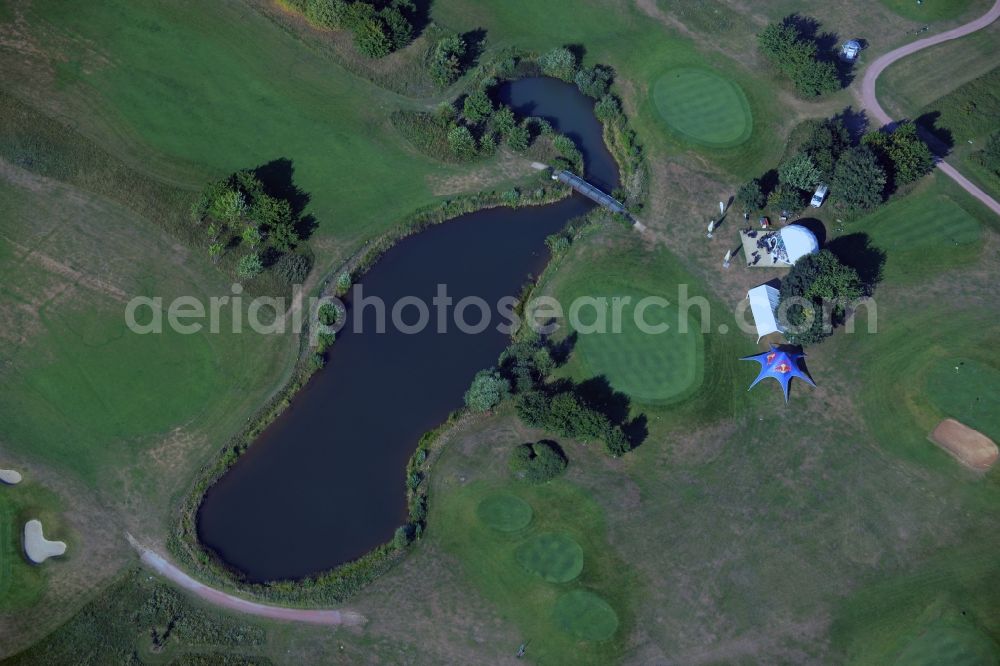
445,64
799,171
519,138
249,266
858,180
904,156
989,156
344,282
477,107
504,121
461,142
786,197
750,197
538,462
795,57
565,415
594,81
329,314
488,390
559,62
830,286
292,268
607,108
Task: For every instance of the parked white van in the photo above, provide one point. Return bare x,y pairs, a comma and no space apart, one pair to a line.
819,196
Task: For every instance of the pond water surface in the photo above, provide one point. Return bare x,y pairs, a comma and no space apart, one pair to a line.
324,483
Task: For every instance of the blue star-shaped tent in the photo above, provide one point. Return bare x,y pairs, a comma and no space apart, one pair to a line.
782,365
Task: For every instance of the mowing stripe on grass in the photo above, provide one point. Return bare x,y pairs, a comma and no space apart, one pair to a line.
703,107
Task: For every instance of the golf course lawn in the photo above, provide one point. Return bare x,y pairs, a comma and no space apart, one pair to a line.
21,583
928,10
504,512
967,390
672,369
928,231
704,107
528,573
556,558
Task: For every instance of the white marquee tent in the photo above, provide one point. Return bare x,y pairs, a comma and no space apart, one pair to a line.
764,305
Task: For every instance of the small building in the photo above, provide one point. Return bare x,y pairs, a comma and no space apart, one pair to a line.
850,50
764,302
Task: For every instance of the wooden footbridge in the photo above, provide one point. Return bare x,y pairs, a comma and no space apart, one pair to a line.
589,191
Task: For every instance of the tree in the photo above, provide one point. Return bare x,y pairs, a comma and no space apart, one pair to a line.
251,236
477,107
989,156
799,171
292,268
538,462
858,180
594,81
487,391
504,121
814,77
343,282
445,63
559,62
215,252
902,152
461,142
826,141
827,286
519,138
750,197
371,39
786,197
776,40
399,29
249,266
328,314
607,108
228,207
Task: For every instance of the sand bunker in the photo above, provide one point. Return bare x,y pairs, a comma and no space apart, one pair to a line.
36,546
970,447
9,476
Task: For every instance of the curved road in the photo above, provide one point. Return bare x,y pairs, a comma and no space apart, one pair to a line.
870,102
165,568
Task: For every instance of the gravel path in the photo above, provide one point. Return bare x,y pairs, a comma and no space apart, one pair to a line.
219,598
870,101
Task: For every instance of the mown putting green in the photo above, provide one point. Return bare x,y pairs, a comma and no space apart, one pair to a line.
585,615
557,558
651,367
504,512
968,391
703,107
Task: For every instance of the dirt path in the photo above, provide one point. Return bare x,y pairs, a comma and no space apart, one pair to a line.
165,568
870,101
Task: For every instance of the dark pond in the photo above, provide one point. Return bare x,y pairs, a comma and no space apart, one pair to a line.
325,483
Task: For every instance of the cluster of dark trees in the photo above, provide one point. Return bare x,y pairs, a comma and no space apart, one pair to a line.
538,462
796,55
379,28
860,176
585,411
823,289
237,212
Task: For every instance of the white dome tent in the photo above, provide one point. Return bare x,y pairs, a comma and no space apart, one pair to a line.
798,242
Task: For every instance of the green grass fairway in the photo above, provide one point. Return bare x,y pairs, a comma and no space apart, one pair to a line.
703,107
923,233
649,367
586,616
557,558
928,10
946,645
504,512
970,393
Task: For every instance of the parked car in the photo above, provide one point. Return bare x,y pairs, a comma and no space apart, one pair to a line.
819,196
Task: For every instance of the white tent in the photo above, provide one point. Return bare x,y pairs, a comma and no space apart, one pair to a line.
764,304
798,242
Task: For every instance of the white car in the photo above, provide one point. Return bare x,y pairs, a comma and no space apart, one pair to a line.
819,196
